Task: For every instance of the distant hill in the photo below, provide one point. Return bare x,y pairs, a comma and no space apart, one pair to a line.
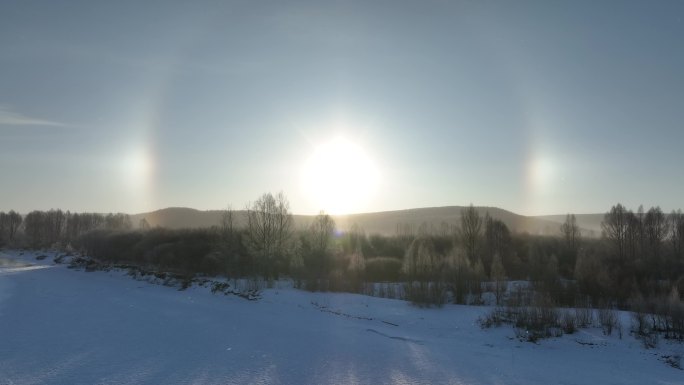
179,217
384,222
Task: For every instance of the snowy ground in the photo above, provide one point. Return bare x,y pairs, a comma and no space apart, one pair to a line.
61,326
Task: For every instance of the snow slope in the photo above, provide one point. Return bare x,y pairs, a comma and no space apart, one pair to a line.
61,326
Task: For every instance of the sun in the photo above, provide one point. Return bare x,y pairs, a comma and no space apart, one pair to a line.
339,177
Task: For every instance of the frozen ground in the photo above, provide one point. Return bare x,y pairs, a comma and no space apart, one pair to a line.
60,326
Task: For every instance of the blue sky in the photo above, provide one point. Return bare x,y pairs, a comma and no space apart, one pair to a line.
537,107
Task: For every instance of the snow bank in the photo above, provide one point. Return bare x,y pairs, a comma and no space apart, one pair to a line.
63,326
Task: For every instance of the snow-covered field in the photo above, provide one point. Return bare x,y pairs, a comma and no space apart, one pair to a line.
62,326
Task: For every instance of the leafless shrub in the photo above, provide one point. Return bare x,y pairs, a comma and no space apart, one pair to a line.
568,322
584,317
539,320
608,318
496,317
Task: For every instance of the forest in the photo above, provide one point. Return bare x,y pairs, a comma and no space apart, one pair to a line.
637,264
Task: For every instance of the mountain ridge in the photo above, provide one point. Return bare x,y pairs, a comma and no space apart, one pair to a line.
438,219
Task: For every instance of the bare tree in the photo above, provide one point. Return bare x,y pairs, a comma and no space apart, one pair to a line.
571,232
423,267
499,277
641,231
471,232
572,237
497,241
614,227
465,277
656,229
3,225
634,237
227,222
421,262
118,221
321,232
44,228
315,249
14,221
34,227
78,224
677,233
269,229
72,227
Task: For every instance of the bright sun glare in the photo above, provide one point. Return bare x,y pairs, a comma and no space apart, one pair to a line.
340,177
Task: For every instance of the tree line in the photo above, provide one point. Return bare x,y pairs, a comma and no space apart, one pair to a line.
639,256
55,228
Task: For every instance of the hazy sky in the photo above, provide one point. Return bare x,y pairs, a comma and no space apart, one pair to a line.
537,107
